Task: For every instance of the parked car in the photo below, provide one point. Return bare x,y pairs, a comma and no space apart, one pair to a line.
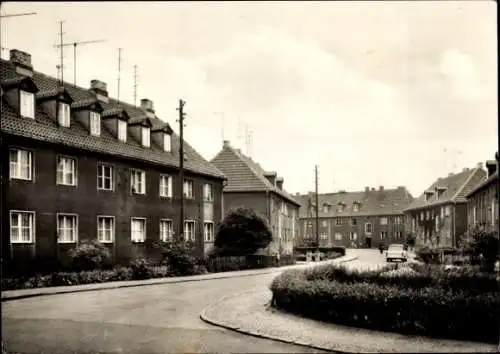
396,252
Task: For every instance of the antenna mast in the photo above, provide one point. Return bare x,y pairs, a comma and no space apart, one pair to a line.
62,51
135,85
119,71
247,141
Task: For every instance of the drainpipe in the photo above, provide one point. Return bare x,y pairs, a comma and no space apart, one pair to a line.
268,207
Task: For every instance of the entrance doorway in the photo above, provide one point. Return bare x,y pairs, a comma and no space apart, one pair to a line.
368,242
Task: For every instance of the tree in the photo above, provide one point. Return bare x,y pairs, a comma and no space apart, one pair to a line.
242,232
486,245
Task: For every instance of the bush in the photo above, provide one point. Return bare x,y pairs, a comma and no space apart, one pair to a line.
429,310
141,269
180,260
89,255
428,255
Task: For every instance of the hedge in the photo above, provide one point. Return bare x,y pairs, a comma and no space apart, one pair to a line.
430,310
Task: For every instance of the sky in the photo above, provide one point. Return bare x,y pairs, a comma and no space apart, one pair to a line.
378,93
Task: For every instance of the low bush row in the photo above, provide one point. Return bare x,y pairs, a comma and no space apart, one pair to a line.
429,310
469,279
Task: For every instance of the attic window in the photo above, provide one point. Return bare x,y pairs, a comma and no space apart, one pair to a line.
122,130
27,104
167,142
355,206
428,195
64,114
95,123
326,208
340,207
146,136
439,191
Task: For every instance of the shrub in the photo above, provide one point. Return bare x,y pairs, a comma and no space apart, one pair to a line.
141,269
428,255
178,257
89,255
429,311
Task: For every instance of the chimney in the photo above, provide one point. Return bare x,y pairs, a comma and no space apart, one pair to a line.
271,177
225,144
373,189
279,182
367,189
479,165
465,169
100,89
148,108
381,188
22,62
491,166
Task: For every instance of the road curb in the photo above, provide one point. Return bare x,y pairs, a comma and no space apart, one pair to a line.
109,286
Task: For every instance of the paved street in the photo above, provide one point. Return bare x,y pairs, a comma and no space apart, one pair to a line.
146,319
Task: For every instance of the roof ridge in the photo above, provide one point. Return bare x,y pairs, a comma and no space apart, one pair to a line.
244,159
463,185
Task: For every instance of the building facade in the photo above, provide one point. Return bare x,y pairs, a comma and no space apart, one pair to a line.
79,165
482,201
249,185
361,219
438,217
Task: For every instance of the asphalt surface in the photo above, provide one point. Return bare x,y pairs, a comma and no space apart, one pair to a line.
147,319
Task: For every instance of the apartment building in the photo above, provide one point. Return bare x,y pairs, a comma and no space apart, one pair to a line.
251,186
78,164
360,219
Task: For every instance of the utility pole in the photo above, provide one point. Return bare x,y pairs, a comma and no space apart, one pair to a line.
181,161
317,210
135,85
119,71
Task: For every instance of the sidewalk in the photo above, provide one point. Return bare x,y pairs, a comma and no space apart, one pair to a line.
249,313
25,293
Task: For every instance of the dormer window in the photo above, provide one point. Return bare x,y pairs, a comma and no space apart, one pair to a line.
146,136
340,207
355,206
439,191
167,142
428,195
95,123
122,131
64,114
326,208
27,104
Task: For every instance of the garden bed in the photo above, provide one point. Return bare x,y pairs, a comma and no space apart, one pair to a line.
416,299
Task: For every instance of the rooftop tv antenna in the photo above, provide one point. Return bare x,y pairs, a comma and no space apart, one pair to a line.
135,85
222,116
62,51
119,71
75,44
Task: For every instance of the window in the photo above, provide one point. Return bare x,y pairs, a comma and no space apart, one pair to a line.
188,188
398,234
340,208
66,171
146,137
21,164
354,222
442,212
383,221
413,222
447,210
138,229
493,207
208,195
63,114
189,231
323,236
208,231
95,124
383,235
427,215
422,215
338,221
474,220
353,236
167,142
398,220
104,177
67,228
326,209
355,207
122,130
338,236
27,106
138,182
166,186
22,229
284,209
166,231
105,229
437,223
368,228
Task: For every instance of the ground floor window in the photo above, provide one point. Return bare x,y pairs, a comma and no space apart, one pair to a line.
189,234
67,228
138,229
105,229
208,231
166,234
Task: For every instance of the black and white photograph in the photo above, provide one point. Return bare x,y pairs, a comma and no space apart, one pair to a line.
249,177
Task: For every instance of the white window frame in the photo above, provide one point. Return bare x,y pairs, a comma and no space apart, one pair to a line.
340,208
166,230
64,114
146,136
95,123
100,230
134,184
398,220
208,234
101,177
17,167
398,234
366,228
27,104
325,209
189,188
355,207
60,231
122,130
324,223
133,232
208,193
383,220
165,186
189,236
474,215
382,237
167,142
353,235
19,226
65,170
338,236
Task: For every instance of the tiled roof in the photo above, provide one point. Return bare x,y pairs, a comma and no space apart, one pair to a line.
245,175
371,202
457,186
489,181
45,129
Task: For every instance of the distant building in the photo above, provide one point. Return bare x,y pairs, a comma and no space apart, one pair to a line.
354,219
483,201
77,164
438,217
249,185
